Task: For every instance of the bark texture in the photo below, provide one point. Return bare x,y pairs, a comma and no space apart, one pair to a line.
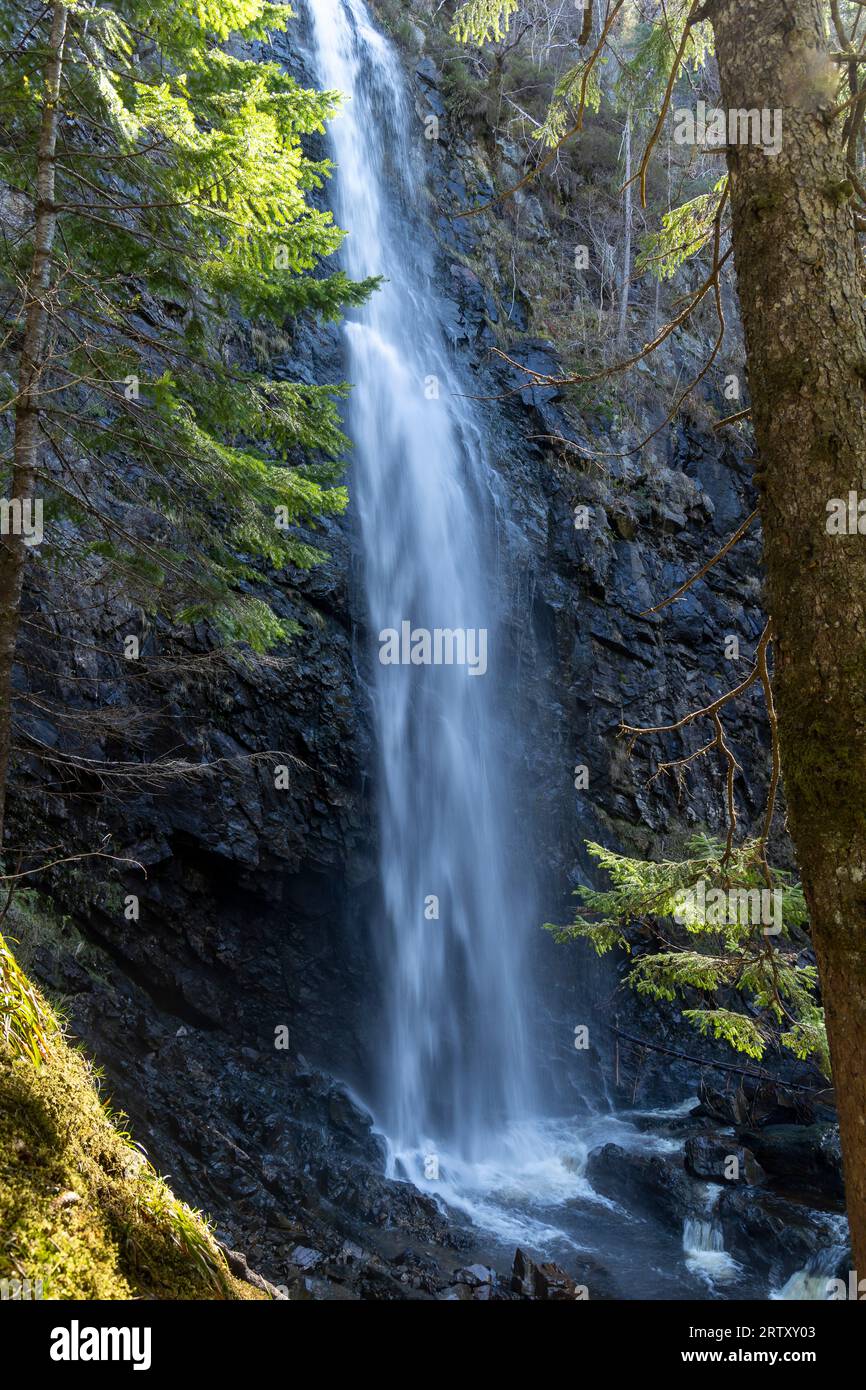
626,236
36,314
799,279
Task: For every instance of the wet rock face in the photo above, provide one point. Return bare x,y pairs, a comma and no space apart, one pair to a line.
647,1182
601,531
746,1102
772,1225
280,1155
765,1231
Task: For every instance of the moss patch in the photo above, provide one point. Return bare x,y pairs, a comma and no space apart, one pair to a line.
81,1209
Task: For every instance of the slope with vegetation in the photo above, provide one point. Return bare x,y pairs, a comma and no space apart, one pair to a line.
83,1214
159,236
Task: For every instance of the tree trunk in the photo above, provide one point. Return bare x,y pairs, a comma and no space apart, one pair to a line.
799,280
626,247
36,313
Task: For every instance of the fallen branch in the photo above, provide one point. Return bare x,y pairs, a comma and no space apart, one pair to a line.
721,1066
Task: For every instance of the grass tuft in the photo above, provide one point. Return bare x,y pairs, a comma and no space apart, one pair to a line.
23,1019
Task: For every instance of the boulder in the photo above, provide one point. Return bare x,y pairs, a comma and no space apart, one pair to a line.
654,1183
754,1102
800,1158
765,1231
542,1281
474,1275
709,1157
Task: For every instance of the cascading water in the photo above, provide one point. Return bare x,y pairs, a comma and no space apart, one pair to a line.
455,1069
456,1095
819,1280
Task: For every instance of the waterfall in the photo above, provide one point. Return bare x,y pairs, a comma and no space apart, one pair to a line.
454,1068
819,1280
704,1243
704,1246
443,638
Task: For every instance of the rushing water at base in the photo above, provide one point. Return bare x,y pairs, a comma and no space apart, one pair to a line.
704,1246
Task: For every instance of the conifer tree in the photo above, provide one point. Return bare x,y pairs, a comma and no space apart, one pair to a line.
154,187
731,935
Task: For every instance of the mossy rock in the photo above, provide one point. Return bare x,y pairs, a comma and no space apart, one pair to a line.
82,1212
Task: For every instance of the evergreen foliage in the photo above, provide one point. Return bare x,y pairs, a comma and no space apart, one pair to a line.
720,944
484,21
684,232
183,200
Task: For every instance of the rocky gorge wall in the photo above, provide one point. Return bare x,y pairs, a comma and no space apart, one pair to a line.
258,906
